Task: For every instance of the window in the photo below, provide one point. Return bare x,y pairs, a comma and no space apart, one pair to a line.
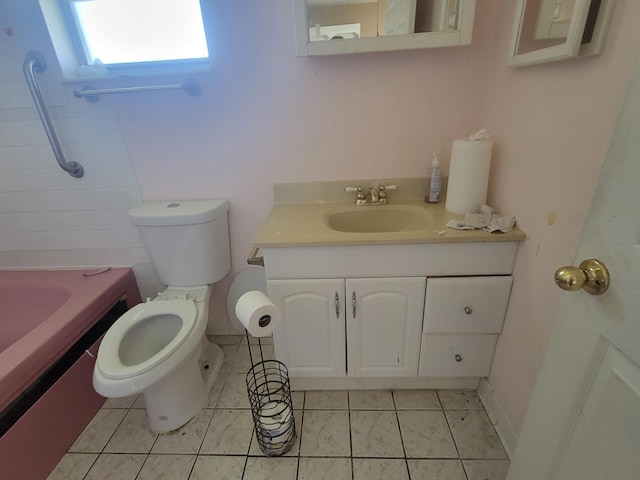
123,33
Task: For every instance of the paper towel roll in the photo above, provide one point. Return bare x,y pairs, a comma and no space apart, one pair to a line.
468,175
257,313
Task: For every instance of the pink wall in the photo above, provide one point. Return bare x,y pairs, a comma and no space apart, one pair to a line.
552,125
266,116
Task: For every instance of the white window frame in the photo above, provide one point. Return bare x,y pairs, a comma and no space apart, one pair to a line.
68,45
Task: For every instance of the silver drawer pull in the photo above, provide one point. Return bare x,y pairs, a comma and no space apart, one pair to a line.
458,357
353,303
468,310
337,305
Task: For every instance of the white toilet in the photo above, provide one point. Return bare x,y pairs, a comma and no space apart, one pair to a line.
159,348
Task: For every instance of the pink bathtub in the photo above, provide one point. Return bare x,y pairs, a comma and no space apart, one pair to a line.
45,315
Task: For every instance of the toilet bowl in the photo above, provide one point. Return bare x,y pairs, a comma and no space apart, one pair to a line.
159,348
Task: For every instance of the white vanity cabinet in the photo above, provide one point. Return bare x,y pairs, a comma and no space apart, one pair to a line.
360,327
410,323
462,319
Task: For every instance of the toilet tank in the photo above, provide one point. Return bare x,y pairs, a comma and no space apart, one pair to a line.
188,241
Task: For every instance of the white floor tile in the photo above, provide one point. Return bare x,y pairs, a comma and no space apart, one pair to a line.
186,439
262,468
486,469
234,393
426,434
229,433
162,467
133,435
436,470
96,435
379,469
116,466
375,434
460,400
325,434
371,400
416,400
341,435
474,434
208,467
73,466
326,400
324,469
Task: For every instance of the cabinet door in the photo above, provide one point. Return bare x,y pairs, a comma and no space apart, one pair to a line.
310,340
384,324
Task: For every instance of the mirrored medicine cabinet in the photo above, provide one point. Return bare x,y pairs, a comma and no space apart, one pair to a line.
551,30
329,27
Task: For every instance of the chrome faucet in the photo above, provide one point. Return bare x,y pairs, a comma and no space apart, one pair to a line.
377,194
373,195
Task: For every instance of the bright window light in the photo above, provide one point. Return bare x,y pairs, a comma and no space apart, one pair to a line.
135,31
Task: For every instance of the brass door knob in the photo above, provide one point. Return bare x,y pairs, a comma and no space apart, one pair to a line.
591,274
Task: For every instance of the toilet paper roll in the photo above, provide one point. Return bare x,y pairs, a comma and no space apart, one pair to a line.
257,313
468,175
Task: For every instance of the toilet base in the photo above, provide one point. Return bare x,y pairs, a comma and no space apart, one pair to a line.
210,363
178,398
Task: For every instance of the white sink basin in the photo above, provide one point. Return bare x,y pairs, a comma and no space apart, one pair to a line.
378,219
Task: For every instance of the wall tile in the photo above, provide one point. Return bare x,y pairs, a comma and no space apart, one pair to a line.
27,156
74,200
79,130
80,258
15,94
22,133
47,218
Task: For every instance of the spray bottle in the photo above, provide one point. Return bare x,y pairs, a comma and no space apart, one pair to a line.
436,181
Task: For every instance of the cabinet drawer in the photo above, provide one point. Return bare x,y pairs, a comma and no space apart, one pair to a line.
456,355
466,304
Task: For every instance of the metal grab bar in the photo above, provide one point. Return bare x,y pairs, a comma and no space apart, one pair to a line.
191,86
33,63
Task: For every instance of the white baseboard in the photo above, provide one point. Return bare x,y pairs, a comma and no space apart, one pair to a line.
372,383
500,421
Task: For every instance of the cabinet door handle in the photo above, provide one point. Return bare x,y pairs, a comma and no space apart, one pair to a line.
468,310
458,357
337,305
353,303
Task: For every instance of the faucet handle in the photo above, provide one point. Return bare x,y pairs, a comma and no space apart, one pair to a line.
383,192
358,190
360,200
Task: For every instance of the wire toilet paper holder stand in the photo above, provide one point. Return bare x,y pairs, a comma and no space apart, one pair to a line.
269,393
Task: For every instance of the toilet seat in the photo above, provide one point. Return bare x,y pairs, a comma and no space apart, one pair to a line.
109,360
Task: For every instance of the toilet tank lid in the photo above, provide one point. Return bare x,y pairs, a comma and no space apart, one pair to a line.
179,212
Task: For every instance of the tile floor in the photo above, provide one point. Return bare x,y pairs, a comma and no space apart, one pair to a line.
351,435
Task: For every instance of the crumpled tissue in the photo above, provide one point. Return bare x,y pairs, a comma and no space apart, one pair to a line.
487,220
479,135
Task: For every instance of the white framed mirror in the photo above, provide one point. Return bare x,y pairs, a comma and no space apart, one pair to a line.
330,27
552,30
